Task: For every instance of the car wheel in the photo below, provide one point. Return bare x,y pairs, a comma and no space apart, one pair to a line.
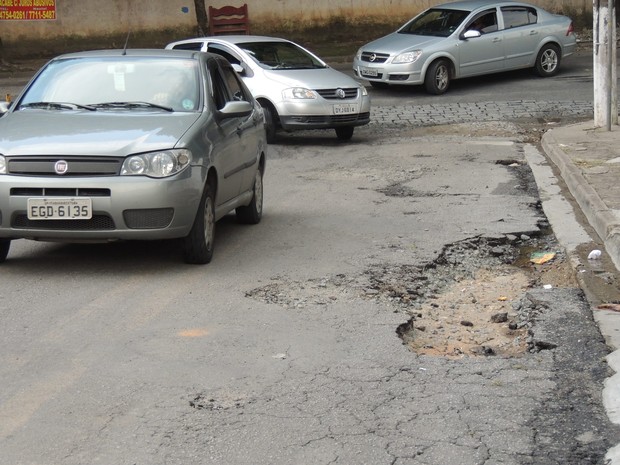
437,77
5,245
344,132
252,213
198,245
270,124
548,61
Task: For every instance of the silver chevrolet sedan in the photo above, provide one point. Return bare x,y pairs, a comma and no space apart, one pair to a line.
131,144
296,88
464,39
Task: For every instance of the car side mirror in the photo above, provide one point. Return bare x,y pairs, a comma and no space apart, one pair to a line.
471,34
4,107
235,109
242,69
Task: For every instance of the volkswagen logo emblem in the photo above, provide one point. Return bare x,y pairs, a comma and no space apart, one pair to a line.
340,93
61,167
372,57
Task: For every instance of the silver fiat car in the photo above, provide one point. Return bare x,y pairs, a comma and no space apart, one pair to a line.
131,145
467,38
296,89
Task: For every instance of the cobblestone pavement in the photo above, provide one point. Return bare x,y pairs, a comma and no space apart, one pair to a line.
433,114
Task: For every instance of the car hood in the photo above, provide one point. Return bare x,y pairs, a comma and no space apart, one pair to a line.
323,78
396,43
93,133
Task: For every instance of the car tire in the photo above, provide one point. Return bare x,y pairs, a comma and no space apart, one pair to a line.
548,61
198,245
5,245
344,132
437,78
252,213
270,124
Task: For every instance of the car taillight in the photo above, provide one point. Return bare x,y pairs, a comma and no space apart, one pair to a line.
571,29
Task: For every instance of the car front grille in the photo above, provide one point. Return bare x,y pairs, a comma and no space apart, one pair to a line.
371,57
76,166
59,192
96,223
332,94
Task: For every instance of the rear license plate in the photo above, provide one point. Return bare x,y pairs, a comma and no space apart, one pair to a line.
369,72
60,209
344,109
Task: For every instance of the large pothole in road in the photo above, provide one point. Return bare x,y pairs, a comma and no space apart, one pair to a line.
471,302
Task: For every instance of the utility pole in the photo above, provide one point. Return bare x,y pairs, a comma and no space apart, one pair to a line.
604,68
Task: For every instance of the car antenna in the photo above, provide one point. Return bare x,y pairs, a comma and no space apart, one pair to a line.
126,42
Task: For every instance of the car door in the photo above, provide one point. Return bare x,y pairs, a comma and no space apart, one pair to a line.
249,130
522,35
235,139
484,54
227,152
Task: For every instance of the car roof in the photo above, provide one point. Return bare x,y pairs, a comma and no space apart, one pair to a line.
161,53
471,5
236,39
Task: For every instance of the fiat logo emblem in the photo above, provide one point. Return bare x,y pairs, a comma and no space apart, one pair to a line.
340,93
61,167
373,57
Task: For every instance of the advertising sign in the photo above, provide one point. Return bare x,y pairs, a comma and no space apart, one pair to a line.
27,10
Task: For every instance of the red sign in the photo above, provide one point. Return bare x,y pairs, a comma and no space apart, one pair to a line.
27,10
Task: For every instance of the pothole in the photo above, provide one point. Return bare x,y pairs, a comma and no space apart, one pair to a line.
473,302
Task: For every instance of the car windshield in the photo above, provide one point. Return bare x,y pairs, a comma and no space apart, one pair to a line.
113,83
280,55
437,22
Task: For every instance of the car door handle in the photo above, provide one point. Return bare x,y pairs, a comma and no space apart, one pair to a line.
533,33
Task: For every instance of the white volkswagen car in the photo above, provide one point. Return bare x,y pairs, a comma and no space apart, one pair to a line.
296,89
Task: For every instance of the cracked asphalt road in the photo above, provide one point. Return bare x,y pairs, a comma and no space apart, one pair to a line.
276,353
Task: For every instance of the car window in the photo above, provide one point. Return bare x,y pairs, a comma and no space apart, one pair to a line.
515,16
171,82
235,87
225,85
224,51
280,55
484,23
196,46
438,22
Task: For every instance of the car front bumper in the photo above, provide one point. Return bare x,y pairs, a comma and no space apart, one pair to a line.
123,207
407,73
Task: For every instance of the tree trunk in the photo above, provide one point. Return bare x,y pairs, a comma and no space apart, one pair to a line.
201,17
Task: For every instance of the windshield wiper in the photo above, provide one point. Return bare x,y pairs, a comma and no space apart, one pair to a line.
131,105
58,106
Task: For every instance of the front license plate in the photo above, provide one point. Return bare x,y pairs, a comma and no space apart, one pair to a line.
343,109
369,72
60,209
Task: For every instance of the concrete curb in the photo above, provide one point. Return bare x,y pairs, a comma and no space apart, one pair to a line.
596,211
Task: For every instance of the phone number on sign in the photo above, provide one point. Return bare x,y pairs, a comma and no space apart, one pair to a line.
27,14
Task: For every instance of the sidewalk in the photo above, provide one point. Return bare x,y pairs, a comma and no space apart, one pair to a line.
589,162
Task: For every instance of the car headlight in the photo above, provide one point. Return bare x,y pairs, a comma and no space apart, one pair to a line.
408,57
295,93
157,164
364,90
358,55
2,165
